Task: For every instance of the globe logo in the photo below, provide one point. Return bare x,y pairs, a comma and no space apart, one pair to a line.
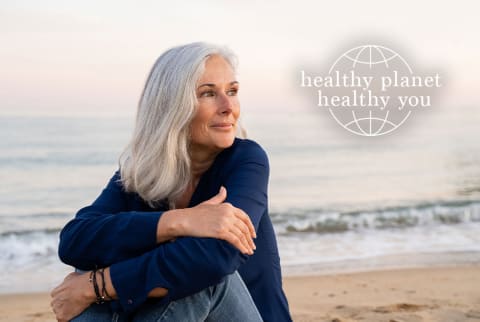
371,90
370,60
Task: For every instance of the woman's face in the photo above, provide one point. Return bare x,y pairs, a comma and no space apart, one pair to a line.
215,122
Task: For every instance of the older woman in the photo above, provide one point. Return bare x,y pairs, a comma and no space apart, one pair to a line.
166,237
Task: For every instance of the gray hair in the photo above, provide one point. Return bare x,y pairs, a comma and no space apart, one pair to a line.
156,162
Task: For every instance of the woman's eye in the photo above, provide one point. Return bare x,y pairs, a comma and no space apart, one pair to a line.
232,92
207,94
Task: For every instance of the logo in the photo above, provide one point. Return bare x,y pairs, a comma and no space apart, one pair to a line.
371,90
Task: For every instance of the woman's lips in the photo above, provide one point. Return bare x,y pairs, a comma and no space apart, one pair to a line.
222,126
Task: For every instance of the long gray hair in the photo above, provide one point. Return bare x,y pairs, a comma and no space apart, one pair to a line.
156,162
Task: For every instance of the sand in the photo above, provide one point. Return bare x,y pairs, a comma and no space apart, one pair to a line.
446,294
407,295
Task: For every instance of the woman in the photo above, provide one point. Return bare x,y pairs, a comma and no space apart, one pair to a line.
178,219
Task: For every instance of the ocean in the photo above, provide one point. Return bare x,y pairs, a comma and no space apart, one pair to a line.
338,202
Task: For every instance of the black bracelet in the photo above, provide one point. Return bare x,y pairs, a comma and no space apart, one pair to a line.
104,288
93,278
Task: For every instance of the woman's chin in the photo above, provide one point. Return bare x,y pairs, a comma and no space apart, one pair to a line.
224,143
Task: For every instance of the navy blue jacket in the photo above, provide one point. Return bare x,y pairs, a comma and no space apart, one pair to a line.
119,230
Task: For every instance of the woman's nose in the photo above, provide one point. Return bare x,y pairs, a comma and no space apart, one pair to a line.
224,104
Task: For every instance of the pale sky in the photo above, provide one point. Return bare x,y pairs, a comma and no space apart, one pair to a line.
63,57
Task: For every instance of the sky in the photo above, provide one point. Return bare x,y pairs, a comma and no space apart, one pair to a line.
92,57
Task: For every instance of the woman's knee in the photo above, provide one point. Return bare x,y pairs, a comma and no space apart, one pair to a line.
228,300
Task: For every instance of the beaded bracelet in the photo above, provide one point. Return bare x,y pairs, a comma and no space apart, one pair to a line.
104,288
93,279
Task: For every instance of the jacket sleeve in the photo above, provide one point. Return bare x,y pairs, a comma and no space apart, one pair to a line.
106,232
189,264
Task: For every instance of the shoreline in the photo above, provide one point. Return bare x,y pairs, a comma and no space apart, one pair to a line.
385,262
448,293
38,281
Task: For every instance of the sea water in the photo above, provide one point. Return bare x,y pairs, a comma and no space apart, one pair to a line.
337,201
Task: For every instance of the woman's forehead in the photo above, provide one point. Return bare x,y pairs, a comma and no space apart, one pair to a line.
217,70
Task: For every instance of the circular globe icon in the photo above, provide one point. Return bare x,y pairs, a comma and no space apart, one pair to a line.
365,105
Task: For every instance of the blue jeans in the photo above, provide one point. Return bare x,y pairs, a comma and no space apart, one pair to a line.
228,301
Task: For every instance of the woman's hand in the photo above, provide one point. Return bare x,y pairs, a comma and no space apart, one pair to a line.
212,218
72,296
76,293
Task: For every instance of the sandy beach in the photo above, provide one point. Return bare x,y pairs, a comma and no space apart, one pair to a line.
446,294
407,295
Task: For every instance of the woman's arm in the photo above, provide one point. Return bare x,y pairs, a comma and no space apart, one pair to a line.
101,233
189,264
212,218
105,232
76,292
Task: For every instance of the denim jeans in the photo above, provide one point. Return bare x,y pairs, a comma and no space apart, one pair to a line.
228,301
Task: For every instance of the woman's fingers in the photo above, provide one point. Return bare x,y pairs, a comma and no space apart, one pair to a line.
239,224
55,291
245,231
219,219
237,238
246,220
68,298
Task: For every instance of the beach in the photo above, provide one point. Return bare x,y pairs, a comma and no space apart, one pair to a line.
355,220
435,294
445,294
368,114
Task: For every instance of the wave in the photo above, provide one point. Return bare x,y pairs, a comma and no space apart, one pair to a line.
324,221
23,247
15,222
28,213
31,233
20,249
60,159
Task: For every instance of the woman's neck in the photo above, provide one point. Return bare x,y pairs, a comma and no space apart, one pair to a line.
201,160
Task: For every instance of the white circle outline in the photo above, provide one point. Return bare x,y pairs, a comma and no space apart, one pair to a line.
354,60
